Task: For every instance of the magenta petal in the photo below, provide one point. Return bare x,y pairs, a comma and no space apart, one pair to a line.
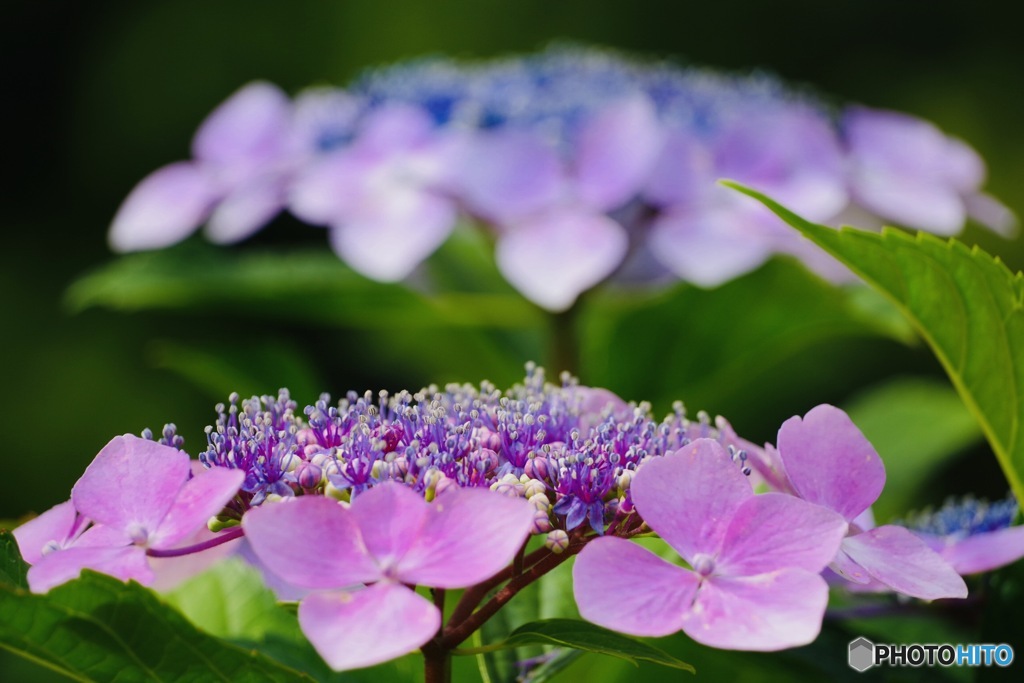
366,627
843,565
101,536
775,531
555,256
765,612
125,563
392,231
985,552
615,153
830,462
310,541
506,175
164,208
202,497
253,123
131,484
390,516
690,496
905,563
622,586
468,536
55,525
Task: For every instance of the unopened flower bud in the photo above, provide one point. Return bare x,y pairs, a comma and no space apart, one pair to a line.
540,503
541,522
557,541
533,487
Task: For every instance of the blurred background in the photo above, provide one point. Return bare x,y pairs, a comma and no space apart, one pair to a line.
103,93
100,94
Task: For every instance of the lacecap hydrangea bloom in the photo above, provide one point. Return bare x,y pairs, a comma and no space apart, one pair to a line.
350,506
581,164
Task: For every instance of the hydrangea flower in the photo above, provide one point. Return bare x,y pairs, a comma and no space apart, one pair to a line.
388,538
583,165
754,581
828,461
971,535
140,497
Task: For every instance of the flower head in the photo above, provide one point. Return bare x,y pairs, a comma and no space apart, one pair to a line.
387,539
754,581
828,461
139,495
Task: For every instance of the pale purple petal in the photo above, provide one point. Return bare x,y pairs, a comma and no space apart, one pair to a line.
766,612
251,125
690,496
905,563
311,542
615,153
170,572
53,526
555,256
844,565
390,517
982,552
911,202
131,484
101,536
775,531
991,213
164,208
245,210
830,462
202,497
710,244
509,174
327,190
682,173
469,535
791,154
392,231
394,128
622,586
367,627
125,563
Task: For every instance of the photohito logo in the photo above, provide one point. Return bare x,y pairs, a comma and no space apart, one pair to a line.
864,654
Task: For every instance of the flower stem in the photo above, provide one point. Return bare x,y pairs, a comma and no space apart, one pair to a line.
221,538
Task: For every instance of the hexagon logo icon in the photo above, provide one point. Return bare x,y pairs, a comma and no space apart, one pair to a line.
862,654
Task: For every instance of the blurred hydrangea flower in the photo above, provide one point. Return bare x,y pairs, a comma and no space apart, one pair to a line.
582,164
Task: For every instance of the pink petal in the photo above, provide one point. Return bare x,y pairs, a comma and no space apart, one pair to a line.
390,517
766,612
202,497
902,561
54,525
251,124
509,174
125,563
131,484
164,208
169,572
625,587
690,496
615,153
101,536
392,230
312,542
830,462
843,565
985,552
245,210
468,536
555,256
367,627
775,531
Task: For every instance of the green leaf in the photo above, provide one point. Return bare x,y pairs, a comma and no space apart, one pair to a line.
966,304
100,629
915,424
13,569
581,635
309,285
